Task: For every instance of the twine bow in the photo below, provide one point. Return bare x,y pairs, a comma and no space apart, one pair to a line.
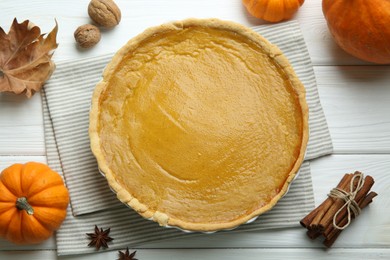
349,198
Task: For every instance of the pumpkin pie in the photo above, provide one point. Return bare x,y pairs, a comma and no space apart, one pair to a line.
199,124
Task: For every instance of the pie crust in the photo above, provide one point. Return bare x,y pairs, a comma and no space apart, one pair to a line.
200,124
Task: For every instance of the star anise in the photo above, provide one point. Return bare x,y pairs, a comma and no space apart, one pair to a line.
126,255
100,238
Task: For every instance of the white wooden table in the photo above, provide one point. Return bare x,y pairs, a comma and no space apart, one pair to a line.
355,97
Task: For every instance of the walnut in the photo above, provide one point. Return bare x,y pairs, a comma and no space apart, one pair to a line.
87,35
104,12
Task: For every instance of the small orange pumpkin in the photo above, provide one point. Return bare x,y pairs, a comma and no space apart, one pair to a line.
33,202
360,27
272,10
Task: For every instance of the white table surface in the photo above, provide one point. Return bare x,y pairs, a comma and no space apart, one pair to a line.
355,96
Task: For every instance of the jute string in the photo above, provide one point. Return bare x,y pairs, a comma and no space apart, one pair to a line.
349,198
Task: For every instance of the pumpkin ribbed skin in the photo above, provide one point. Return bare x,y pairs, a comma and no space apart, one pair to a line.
46,194
360,27
272,10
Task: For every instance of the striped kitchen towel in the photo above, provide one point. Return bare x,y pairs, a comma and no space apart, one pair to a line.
66,101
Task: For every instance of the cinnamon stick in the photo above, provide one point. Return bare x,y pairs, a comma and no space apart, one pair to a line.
319,222
328,204
323,207
331,238
368,199
327,219
313,234
306,221
331,230
342,217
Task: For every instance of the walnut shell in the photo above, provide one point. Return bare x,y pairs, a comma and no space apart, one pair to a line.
87,35
104,12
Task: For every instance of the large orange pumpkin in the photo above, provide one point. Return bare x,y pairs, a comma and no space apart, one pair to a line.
272,10
33,202
360,27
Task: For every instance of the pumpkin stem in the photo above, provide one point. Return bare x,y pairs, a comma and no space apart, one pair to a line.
22,204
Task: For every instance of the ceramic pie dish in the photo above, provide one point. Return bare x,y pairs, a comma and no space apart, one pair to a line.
199,124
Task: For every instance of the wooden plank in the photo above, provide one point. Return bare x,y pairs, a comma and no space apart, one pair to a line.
302,254
370,229
22,140
6,161
233,254
367,127
138,15
49,244
356,102
33,255
21,125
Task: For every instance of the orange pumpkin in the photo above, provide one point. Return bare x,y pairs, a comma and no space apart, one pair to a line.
272,10
33,202
360,27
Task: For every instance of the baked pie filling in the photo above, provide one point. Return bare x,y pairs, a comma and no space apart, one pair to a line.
200,124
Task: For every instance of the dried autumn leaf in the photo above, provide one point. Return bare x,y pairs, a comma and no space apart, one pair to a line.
25,58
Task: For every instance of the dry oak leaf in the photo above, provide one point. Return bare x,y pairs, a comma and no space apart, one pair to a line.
25,58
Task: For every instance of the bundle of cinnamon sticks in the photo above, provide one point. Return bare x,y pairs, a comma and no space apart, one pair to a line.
331,217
